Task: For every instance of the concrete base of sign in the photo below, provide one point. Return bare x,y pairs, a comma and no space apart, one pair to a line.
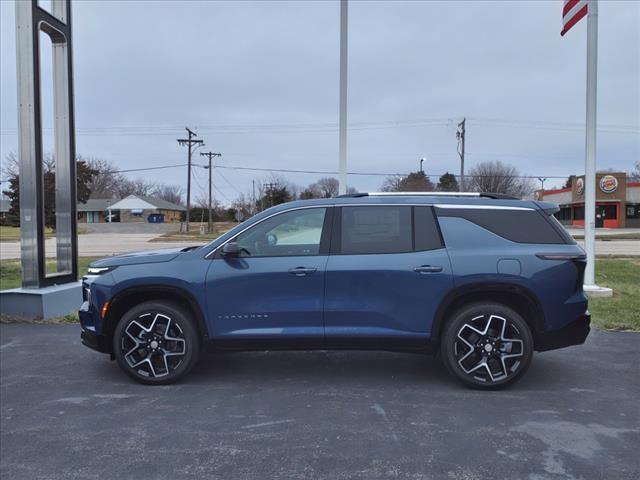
41,303
595,291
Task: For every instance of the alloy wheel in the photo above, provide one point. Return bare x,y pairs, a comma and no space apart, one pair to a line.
489,348
153,345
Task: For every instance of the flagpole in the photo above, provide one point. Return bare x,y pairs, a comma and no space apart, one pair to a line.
342,162
590,147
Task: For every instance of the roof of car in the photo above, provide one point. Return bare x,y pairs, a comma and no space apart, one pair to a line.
413,198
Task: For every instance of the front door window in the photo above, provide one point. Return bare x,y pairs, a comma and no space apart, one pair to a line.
293,233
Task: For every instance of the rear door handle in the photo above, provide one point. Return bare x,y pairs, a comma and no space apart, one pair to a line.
302,271
427,269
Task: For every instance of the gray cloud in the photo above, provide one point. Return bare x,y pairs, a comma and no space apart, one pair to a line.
207,64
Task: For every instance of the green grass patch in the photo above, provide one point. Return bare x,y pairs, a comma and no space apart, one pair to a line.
10,271
12,234
622,311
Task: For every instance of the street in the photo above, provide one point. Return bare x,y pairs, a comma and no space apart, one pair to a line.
68,412
100,245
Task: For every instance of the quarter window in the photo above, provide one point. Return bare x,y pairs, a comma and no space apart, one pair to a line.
521,226
293,233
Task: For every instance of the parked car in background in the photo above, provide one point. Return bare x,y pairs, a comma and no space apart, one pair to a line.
480,279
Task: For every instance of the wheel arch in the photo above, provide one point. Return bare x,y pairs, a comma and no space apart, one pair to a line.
517,297
126,299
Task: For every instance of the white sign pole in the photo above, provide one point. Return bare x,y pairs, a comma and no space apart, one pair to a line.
342,186
590,148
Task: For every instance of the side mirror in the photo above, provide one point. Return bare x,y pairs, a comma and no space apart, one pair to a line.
231,249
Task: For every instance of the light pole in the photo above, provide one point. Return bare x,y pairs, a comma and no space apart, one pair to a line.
342,135
421,162
542,180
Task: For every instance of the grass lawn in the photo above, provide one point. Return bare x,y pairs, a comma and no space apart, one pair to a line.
10,271
12,234
621,312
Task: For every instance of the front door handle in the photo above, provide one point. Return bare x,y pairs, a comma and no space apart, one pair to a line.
427,269
302,271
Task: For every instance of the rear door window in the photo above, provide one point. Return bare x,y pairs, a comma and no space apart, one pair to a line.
373,229
427,233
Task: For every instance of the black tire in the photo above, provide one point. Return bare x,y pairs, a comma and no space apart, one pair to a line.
167,341
464,348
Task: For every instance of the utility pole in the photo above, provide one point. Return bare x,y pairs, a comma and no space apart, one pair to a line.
253,197
210,167
460,135
189,142
268,190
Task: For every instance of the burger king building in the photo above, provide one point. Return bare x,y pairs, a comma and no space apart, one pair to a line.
617,201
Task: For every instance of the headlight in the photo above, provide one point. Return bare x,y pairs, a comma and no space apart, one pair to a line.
99,270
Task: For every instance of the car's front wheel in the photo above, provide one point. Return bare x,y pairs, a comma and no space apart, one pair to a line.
487,345
156,343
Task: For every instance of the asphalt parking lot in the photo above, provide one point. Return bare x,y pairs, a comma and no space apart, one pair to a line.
67,412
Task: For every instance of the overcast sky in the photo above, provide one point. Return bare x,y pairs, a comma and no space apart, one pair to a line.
259,83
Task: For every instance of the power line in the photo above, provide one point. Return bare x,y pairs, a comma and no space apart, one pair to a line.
321,127
228,182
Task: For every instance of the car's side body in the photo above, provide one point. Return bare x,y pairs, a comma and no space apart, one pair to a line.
335,295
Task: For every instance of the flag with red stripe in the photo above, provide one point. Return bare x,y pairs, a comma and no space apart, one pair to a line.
572,12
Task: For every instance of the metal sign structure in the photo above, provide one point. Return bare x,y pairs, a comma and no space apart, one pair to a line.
31,19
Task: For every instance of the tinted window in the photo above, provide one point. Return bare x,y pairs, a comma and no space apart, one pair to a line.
522,226
292,233
376,230
426,230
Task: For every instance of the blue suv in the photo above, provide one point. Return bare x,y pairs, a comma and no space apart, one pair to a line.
481,279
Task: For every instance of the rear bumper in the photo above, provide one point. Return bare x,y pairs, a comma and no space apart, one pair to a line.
575,333
94,341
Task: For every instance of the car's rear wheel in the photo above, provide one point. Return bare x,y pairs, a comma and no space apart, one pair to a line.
487,345
156,343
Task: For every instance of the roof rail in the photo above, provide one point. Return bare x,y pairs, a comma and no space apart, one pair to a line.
500,196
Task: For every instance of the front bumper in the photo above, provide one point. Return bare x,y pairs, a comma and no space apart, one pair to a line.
575,333
97,342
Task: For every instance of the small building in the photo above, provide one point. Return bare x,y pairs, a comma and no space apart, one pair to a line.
94,210
137,208
617,201
5,204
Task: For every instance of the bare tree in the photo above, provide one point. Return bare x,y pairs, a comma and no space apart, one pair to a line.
329,186
634,175
11,164
170,193
391,183
497,177
108,181
312,191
